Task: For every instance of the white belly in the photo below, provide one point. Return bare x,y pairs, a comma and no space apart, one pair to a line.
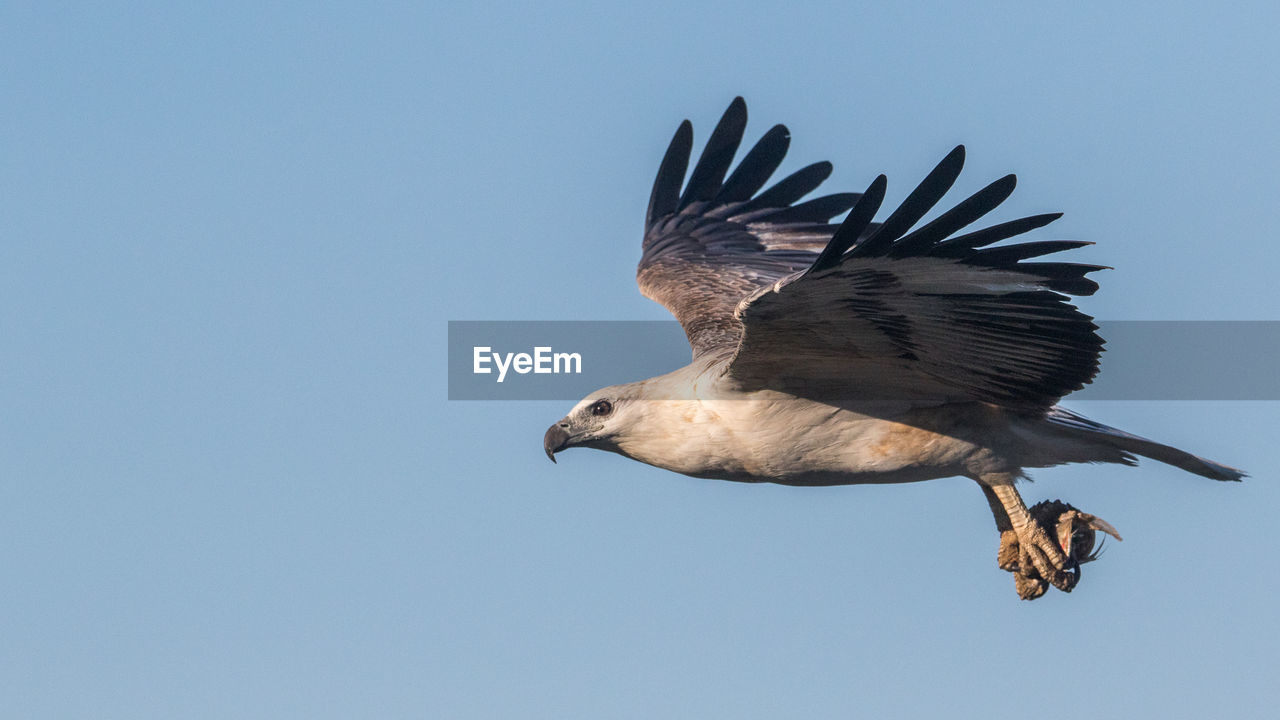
770,437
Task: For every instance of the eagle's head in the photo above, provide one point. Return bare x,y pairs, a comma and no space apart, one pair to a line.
597,421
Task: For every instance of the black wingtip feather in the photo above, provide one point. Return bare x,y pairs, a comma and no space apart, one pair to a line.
817,210
665,197
996,233
1009,254
856,222
1064,277
791,188
964,213
918,203
708,174
755,169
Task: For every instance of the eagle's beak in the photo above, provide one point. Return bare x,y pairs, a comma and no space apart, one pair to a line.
556,439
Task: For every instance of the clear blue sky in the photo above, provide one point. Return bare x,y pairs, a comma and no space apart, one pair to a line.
231,485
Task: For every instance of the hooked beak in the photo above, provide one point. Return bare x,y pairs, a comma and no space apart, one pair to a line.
556,439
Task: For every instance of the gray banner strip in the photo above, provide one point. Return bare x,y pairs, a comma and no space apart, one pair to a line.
565,360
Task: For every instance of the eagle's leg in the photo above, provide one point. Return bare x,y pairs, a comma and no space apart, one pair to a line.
1007,555
1026,548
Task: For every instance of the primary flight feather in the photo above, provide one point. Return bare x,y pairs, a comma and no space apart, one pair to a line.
863,351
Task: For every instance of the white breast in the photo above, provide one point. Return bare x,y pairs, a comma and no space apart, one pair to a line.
773,437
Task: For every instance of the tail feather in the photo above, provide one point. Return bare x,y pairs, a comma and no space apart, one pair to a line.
1137,445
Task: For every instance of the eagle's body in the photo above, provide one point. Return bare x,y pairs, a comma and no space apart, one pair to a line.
715,431
862,352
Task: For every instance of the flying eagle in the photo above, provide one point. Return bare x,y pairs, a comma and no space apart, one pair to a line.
864,352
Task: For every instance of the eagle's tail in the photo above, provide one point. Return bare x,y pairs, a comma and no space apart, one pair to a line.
1137,445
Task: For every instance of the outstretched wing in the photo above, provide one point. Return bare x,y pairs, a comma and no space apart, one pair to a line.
786,300
900,312
717,242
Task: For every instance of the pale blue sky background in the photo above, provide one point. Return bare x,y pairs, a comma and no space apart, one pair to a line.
231,485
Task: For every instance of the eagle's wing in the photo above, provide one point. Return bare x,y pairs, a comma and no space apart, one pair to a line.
923,311
871,310
719,241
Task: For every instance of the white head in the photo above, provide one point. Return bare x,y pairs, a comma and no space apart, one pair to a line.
600,420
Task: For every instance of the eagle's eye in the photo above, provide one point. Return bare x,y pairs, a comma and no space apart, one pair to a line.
601,408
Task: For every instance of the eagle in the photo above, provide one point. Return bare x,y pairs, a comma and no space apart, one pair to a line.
865,351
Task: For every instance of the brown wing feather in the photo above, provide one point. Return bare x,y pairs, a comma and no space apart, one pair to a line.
718,242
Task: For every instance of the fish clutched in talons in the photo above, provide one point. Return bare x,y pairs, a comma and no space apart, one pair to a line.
1075,532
